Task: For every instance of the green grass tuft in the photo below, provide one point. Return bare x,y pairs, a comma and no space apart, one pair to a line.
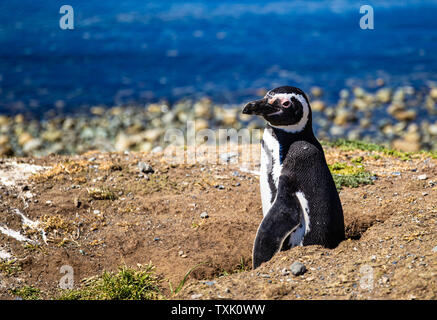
27,293
349,176
127,284
10,268
349,145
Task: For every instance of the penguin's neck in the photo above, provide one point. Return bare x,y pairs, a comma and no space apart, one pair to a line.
286,139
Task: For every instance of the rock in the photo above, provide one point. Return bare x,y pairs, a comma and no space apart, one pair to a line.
384,95
316,92
202,109
285,272
360,104
6,151
395,107
297,268
87,133
145,167
77,203
168,118
24,138
433,93
422,177
434,249
204,215
229,157
32,145
405,115
229,116
201,124
399,95
343,116
344,94
152,135
98,111
145,146
406,146
380,82
432,129
154,108
52,135
4,121
318,105
196,296
384,279
123,142
336,131
359,92
157,149
4,140
210,283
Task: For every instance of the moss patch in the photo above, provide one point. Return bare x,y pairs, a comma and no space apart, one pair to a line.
10,268
349,176
27,293
127,284
350,145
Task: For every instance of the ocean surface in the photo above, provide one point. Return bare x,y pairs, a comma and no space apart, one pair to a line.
136,51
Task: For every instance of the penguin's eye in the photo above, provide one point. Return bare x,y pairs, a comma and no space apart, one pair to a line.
286,104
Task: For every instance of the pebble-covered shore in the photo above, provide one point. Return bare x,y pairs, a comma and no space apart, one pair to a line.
404,118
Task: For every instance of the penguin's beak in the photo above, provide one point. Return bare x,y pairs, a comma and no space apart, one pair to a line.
259,107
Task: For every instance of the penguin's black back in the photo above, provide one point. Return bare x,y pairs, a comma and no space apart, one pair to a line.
306,165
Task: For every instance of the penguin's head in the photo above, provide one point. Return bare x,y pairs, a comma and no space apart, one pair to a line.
285,107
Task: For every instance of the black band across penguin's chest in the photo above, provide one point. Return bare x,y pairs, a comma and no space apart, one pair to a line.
285,140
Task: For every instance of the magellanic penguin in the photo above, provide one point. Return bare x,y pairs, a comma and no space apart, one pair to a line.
300,202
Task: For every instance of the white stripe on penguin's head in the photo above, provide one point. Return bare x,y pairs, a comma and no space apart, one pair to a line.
283,97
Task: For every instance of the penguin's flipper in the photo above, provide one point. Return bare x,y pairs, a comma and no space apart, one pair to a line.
282,219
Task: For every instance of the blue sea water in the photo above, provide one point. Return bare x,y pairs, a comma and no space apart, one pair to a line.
136,51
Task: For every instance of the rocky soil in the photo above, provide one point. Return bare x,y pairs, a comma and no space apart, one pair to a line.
99,211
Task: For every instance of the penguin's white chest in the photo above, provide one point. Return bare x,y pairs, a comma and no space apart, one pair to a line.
270,170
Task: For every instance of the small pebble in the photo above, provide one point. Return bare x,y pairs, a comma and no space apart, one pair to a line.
204,215
196,296
297,268
434,249
145,167
422,177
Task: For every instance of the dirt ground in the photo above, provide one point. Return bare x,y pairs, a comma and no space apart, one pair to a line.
98,211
